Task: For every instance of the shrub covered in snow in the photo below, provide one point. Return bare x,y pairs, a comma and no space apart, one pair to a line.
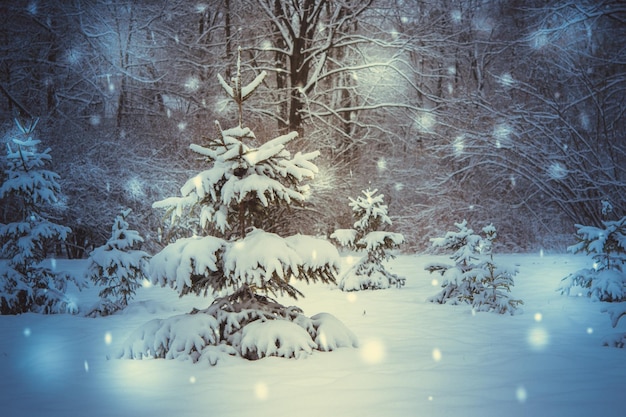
118,266
606,279
25,284
616,312
474,278
370,213
233,256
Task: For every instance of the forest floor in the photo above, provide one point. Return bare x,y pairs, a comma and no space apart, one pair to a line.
415,358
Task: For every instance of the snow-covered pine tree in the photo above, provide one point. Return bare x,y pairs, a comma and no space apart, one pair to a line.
118,266
26,284
370,214
474,278
606,280
496,280
235,259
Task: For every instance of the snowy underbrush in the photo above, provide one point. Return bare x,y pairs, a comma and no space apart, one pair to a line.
366,275
244,324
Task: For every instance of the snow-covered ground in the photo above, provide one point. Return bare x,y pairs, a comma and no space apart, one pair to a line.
415,358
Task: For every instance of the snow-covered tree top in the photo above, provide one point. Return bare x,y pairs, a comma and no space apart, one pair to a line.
599,240
370,210
464,242
26,175
236,197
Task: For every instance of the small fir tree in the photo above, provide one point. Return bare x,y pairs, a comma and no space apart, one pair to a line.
474,278
370,213
118,266
606,280
26,285
232,204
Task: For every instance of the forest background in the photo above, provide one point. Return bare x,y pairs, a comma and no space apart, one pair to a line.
504,112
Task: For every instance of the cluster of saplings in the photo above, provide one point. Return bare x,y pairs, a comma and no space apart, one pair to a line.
223,245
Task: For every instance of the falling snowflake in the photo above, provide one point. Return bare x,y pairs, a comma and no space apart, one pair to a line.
506,80
134,188
557,171
381,165
73,56
192,84
585,123
373,351
456,15
502,134
425,121
94,120
538,338
459,145
538,40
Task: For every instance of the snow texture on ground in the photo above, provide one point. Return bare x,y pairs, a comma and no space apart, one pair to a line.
414,358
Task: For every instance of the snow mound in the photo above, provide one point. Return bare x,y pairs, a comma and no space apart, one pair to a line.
366,276
331,333
275,338
179,337
315,253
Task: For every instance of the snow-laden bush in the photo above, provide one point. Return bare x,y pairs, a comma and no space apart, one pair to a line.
231,206
616,311
244,324
606,279
474,278
118,266
370,213
275,338
26,285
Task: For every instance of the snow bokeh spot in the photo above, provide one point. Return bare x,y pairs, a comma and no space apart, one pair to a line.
192,84
134,188
538,317
192,379
502,134
538,338
373,351
436,354
94,120
425,122
459,145
32,8
108,338
261,391
538,40
86,366
456,15
589,330
557,171
73,56
506,80
27,332
351,297
381,165
521,394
